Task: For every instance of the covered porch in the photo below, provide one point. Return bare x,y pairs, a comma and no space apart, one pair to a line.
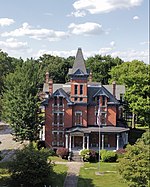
111,138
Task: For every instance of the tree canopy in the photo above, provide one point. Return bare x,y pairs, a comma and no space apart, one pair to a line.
100,67
135,76
134,166
20,100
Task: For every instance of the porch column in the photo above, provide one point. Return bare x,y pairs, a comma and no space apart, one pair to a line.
88,142
66,136
117,142
126,138
83,142
102,141
43,137
73,141
70,143
40,135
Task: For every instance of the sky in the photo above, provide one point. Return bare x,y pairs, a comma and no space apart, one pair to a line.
31,28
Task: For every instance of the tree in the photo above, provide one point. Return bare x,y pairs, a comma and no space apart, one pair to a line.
56,66
134,166
7,65
20,100
134,75
30,167
100,66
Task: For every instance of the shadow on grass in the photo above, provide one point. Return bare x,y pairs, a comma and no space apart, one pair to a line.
85,182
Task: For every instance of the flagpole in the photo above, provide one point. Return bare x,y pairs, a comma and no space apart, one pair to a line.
99,139
99,149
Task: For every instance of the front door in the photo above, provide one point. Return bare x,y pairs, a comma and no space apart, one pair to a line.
78,141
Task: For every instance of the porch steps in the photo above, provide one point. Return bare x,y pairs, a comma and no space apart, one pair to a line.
76,157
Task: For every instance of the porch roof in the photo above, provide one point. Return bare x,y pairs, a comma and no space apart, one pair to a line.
103,129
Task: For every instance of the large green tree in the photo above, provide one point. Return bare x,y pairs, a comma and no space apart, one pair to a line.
100,67
135,76
20,100
7,65
56,66
134,166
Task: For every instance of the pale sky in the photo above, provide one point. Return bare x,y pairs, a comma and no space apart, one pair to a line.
31,28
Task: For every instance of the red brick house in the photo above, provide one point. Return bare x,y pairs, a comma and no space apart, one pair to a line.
71,111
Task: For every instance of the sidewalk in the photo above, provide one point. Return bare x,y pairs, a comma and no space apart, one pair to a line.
72,173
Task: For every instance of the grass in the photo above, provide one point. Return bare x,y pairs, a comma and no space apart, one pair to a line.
4,174
57,159
59,175
88,178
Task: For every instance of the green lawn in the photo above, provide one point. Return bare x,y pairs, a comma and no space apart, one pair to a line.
59,175
109,177
4,175
57,159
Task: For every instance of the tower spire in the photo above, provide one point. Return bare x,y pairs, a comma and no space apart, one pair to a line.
79,63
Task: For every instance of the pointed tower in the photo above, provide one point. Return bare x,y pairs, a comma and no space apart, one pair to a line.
78,78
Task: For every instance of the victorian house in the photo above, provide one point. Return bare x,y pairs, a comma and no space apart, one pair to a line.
71,111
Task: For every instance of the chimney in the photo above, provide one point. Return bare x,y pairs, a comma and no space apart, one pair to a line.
90,76
50,86
114,88
46,77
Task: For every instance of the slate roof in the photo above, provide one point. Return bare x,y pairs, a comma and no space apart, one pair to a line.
103,129
61,93
79,65
94,91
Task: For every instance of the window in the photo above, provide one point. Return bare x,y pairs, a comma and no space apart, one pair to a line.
60,101
103,118
54,138
75,98
55,118
81,98
55,101
60,118
58,138
103,100
81,89
78,120
75,89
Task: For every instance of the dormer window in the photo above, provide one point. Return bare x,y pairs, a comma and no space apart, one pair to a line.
60,101
55,101
103,100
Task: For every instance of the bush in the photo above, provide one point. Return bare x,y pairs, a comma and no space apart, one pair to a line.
30,167
85,154
108,156
89,155
120,153
62,152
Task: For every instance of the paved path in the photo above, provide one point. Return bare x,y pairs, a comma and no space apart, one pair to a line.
72,173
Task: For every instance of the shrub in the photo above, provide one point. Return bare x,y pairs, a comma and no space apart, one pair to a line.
85,154
88,155
30,167
109,156
62,152
120,153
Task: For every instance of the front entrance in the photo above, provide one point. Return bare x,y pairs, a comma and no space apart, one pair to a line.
78,141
